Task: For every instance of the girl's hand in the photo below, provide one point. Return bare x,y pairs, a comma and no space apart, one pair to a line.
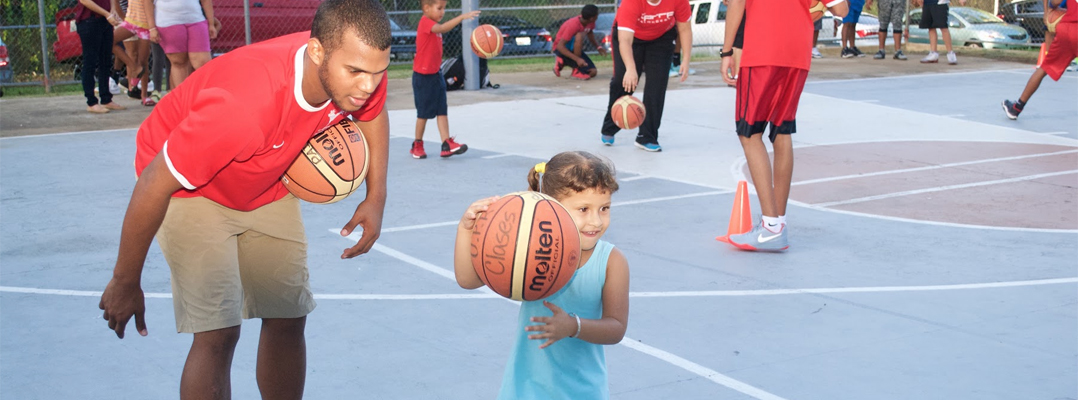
472,213
553,328
631,79
155,36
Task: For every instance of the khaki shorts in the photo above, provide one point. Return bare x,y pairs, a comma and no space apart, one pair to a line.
230,265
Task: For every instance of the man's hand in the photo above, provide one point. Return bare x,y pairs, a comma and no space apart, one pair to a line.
369,216
727,71
121,301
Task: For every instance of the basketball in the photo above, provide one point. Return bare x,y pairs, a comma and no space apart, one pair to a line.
525,246
487,41
1053,17
332,165
627,112
817,10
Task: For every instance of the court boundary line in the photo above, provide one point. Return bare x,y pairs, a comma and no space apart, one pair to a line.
943,188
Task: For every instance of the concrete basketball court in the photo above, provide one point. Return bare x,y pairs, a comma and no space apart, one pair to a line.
934,255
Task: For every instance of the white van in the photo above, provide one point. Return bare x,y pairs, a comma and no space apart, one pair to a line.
708,22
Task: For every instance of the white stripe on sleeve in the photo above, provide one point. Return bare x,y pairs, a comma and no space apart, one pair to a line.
168,161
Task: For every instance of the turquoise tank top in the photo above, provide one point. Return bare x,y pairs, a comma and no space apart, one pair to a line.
570,368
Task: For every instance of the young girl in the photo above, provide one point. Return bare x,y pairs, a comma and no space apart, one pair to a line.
557,354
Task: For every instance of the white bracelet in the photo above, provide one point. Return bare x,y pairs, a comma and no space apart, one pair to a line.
577,325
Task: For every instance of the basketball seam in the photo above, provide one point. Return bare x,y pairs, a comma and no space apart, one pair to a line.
483,248
310,190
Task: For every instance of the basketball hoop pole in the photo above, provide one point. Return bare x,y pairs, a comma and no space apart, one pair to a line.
471,61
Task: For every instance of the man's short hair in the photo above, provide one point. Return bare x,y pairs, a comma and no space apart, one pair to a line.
589,11
366,18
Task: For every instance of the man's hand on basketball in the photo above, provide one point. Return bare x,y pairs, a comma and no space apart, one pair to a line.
553,328
472,213
727,71
120,301
369,216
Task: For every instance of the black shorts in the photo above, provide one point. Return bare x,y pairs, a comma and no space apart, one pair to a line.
569,62
429,93
934,16
739,40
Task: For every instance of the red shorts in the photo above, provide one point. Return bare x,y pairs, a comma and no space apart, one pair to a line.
1063,49
768,94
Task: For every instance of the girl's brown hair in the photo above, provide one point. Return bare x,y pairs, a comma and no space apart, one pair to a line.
574,171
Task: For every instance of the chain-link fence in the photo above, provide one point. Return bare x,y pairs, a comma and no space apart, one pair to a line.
529,27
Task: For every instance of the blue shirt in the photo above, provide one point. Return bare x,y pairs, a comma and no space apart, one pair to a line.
570,368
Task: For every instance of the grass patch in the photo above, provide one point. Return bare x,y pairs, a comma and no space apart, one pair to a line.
39,91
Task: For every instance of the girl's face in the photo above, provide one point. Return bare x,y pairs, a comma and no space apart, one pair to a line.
591,211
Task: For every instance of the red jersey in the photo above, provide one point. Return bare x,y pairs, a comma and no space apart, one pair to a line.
234,126
783,38
428,48
647,20
1072,12
568,32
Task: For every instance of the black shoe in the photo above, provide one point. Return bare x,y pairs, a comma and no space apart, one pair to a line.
134,93
1012,109
847,53
856,51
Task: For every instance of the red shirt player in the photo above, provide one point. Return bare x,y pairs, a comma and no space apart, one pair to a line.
645,42
773,72
210,158
1063,49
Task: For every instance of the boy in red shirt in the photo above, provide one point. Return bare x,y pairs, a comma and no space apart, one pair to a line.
1061,51
428,85
773,72
569,44
209,161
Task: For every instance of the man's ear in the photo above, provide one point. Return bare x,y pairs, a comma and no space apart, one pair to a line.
315,51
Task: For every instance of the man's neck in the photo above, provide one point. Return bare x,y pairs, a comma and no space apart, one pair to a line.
312,90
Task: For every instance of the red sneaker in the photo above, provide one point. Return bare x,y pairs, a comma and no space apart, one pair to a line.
580,75
417,150
450,147
558,65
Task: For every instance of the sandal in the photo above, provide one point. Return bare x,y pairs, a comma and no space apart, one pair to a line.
148,102
114,106
97,109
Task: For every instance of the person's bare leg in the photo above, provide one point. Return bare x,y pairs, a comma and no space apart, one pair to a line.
783,172
118,36
143,58
282,358
199,59
207,372
898,41
443,127
1032,85
420,128
947,39
760,169
181,68
932,38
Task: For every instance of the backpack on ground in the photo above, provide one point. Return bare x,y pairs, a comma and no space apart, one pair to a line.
453,72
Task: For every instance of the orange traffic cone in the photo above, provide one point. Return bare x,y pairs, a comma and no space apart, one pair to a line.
741,215
1041,54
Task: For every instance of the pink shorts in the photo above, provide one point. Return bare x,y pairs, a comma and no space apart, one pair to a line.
140,32
185,38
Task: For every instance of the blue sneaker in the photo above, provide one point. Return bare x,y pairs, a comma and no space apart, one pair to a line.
761,239
608,140
649,146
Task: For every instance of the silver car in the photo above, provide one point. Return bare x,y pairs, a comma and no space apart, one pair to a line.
974,28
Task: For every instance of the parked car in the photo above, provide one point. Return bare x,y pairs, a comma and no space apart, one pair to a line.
1029,14
867,26
521,37
603,24
973,28
269,19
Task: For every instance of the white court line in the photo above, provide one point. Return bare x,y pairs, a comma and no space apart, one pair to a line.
917,76
931,167
498,156
421,226
942,188
68,133
634,178
689,293
953,115
867,101
1055,133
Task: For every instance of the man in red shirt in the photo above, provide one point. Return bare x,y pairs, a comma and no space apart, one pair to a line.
428,84
569,44
1061,51
645,42
210,158
773,72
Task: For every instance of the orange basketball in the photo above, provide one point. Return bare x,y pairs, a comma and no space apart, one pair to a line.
487,41
627,112
816,10
525,246
1053,17
332,165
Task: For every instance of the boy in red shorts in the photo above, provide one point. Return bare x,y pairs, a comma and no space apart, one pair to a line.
769,84
1061,51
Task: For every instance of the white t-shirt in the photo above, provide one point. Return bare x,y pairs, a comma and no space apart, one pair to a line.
176,12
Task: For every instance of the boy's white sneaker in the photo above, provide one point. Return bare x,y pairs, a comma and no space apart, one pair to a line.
931,58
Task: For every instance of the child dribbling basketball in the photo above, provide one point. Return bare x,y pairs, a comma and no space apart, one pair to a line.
557,352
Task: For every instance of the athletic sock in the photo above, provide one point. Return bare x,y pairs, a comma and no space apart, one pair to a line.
782,220
772,224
